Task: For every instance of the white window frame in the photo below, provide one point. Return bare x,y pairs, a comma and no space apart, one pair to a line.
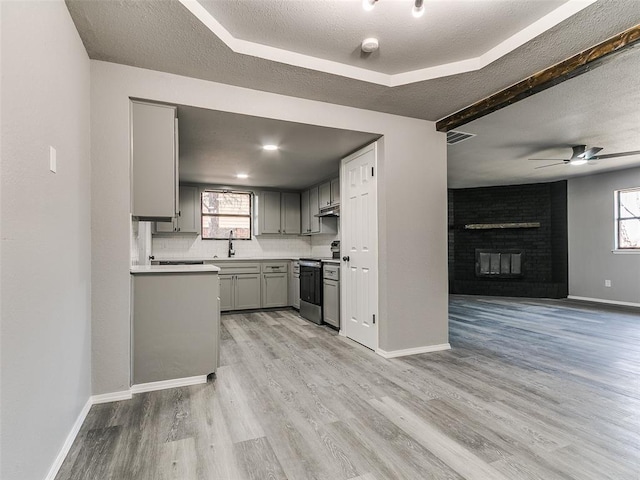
204,215
616,222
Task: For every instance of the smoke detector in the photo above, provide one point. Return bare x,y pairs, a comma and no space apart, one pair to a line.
369,45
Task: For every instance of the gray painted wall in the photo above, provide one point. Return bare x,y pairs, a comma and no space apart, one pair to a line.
591,239
411,176
46,238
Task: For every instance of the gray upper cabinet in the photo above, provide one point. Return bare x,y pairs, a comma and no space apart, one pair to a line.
305,224
310,208
188,219
153,161
329,193
335,191
324,194
290,220
314,209
270,212
279,213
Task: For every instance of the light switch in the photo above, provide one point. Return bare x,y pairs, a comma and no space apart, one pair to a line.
607,283
52,159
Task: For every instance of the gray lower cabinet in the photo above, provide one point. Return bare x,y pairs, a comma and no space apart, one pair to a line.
240,292
175,325
294,285
296,291
275,290
331,302
275,284
226,292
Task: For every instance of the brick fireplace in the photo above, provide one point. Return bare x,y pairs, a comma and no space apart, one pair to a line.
509,240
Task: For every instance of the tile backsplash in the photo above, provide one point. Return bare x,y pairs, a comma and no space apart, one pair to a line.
183,246
321,245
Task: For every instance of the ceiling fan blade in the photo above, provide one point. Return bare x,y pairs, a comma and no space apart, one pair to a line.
549,159
588,154
614,155
552,165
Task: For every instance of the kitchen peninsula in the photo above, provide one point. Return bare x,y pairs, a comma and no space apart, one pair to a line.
175,324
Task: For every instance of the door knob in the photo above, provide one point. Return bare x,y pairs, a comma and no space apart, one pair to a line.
345,258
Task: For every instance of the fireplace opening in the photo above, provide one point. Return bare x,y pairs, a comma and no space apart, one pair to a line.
499,263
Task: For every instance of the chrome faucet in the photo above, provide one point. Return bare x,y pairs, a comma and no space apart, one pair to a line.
232,252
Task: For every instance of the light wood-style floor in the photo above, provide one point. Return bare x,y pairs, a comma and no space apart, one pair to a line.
543,390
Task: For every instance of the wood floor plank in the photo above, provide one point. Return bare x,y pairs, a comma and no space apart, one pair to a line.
455,455
531,390
258,460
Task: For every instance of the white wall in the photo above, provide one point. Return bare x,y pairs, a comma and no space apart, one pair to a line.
412,203
591,239
46,238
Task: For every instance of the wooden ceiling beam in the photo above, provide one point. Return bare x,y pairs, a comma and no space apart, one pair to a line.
570,68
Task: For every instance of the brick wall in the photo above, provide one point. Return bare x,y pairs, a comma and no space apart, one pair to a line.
545,248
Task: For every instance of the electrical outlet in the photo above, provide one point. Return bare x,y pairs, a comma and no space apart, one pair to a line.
607,283
52,159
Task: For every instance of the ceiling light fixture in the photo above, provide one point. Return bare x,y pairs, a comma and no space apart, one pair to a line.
242,175
369,45
368,4
418,9
270,147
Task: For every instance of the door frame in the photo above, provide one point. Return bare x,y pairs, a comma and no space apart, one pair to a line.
343,266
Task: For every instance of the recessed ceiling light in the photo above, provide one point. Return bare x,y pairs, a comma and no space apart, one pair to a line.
418,9
242,175
368,4
270,147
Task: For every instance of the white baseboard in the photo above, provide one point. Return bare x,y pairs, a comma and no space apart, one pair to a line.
66,446
164,384
114,397
601,300
111,397
413,351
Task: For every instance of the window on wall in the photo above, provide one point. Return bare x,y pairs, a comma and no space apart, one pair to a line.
628,219
224,212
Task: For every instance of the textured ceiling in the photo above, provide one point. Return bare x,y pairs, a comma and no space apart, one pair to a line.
215,146
165,36
448,32
600,108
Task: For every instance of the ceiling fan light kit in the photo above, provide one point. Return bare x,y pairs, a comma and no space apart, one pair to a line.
581,156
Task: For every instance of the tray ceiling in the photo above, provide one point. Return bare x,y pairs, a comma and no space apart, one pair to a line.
452,36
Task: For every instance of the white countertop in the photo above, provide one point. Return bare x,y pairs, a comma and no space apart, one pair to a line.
174,269
222,259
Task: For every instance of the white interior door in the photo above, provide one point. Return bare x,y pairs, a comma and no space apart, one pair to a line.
359,224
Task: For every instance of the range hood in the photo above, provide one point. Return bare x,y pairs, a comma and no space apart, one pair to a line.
330,211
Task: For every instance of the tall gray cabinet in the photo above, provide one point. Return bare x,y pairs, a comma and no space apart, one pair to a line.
154,161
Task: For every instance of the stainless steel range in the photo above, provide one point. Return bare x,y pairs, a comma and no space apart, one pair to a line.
311,289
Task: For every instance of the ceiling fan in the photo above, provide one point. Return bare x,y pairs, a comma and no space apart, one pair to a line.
581,155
